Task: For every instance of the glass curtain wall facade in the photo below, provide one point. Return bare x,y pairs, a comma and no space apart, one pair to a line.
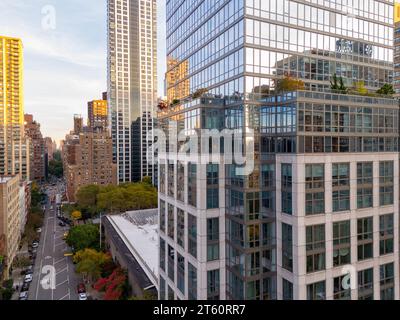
132,84
309,145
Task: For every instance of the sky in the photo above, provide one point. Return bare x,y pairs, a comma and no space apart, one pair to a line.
65,56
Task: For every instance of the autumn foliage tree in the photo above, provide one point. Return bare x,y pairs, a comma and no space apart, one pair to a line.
112,286
289,84
90,263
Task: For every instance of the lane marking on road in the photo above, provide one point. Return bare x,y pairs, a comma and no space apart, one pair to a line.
62,270
67,295
57,262
64,282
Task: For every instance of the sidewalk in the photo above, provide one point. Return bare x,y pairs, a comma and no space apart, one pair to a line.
16,274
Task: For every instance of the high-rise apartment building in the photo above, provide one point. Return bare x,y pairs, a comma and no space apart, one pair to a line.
10,233
37,159
320,205
50,148
98,114
396,82
87,157
132,84
14,146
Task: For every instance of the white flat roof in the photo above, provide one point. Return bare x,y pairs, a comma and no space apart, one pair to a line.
142,241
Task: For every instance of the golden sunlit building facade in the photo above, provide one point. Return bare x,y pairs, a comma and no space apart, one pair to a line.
98,114
14,146
177,78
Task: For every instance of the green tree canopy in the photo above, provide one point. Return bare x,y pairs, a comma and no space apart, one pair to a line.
386,89
337,84
116,199
84,236
87,195
56,168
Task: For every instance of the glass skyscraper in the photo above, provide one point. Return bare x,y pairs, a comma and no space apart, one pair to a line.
132,84
317,218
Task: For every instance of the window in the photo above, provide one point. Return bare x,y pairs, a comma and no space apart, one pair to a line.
192,282
340,289
162,288
386,234
365,238
253,290
171,180
340,187
386,183
253,205
315,248
162,216
180,228
341,243
192,184
162,178
366,284
387,281
315,189
286,188
212,239
267,175
287,290
213,285
171,222
287,247
171,294
181,274
171,263
162,254
192,235
180,185
316,291
364,185
212,186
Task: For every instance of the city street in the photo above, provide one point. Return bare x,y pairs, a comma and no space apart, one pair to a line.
50,254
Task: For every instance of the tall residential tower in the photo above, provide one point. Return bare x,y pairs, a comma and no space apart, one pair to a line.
132,84
322,199
14,146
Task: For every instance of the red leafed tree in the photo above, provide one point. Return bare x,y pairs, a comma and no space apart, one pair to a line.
113,286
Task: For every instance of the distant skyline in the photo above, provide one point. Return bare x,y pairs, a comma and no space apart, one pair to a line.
65,67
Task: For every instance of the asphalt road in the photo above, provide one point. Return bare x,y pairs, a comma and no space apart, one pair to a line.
50,261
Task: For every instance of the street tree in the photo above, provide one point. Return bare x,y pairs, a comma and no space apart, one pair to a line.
83,236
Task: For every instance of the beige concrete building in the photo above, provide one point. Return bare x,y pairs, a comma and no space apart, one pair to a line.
10,234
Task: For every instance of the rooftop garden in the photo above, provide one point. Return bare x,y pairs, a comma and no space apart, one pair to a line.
287,84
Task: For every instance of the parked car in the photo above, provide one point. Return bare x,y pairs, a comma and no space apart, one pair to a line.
29,270
82,297
62,224
25,287
34,250
35,244
39,230
81,288
23,295
28,278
